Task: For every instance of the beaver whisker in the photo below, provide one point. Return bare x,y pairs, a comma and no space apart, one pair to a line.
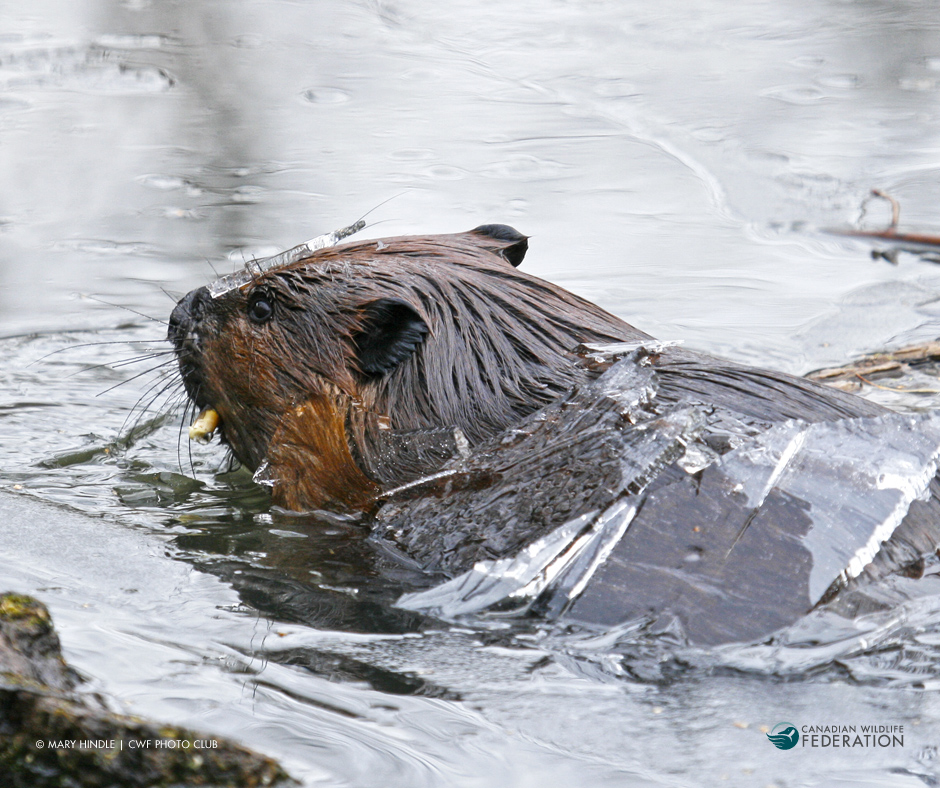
386,201
124,362
91,344
208,262
125,308
171,296
185,419
162,385
188,415
163,365
189,444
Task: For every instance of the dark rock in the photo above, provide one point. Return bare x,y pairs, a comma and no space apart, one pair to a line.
52,736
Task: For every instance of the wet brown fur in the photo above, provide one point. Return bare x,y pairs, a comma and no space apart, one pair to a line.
291,392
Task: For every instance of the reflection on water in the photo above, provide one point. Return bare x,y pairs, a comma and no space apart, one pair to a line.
670,161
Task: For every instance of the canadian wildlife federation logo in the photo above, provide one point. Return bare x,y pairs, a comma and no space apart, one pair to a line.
784,735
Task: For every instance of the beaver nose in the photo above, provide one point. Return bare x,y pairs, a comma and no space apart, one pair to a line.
186,316
183,332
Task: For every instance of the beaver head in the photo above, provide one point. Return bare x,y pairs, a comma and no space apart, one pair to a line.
349,371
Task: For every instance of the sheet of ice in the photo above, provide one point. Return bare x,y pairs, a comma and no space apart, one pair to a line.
857,476
295,254
851,482
566,558
555,568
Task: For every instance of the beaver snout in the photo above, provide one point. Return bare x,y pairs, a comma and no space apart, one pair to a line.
186,315
183,333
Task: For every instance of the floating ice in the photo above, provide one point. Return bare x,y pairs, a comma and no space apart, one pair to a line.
857,476
733,543
231,282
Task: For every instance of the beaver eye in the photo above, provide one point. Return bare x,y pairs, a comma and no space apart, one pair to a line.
260,308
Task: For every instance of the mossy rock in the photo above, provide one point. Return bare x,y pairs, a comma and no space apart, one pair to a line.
51,737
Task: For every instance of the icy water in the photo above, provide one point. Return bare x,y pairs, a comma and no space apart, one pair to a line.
673,161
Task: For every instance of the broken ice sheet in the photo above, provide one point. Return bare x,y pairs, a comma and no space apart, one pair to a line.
256,268
566,557
744,549
858,476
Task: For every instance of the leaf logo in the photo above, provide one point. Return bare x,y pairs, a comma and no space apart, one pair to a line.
784,735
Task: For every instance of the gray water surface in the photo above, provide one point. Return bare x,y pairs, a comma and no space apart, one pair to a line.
672,161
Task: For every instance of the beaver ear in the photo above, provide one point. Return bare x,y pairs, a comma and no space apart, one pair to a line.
391,331
518,243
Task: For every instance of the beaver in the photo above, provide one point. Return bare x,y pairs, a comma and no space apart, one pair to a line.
321,368
476,411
